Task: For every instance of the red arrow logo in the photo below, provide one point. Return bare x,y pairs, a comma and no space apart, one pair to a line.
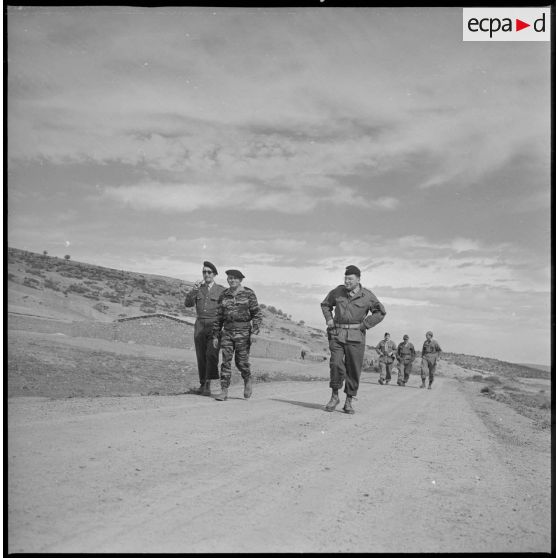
519,25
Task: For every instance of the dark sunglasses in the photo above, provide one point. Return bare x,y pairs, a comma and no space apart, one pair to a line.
208,271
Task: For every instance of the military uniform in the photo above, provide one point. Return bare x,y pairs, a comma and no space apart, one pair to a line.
430,355
206,302
406,354
387,350
348,335
238,316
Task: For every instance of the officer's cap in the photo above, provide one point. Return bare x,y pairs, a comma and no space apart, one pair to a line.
234,273
211,266
352,270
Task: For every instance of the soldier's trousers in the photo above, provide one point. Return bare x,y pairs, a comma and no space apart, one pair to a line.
235,342
428,367
345,365
404,371
207,356
385,370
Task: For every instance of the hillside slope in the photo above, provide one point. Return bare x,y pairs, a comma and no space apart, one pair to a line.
56,288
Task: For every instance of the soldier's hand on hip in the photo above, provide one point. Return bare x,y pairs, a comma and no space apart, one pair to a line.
329,323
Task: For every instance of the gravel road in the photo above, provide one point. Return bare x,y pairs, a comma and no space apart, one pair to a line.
413,470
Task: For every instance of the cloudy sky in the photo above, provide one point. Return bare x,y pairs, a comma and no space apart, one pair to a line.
289,143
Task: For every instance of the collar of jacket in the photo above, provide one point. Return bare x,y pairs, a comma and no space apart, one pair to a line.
357,294
239,290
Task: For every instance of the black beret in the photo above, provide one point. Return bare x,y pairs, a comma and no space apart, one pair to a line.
352,270
234,273
211,266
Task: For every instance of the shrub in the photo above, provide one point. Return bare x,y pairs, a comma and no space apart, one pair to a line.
30,282
101,307
51,284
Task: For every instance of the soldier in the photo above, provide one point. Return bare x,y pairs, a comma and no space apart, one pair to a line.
239,315
205,296
386,349
406,355
430,355
346,333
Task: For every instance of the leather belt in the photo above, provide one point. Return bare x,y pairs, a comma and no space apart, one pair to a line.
348,326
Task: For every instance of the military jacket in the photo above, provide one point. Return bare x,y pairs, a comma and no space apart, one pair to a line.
406,352
237,310
353,310
205,300
431,349
387,350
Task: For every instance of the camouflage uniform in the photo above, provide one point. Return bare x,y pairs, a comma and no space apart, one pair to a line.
348,335
387,350
238,315
430,355
406,353
206,303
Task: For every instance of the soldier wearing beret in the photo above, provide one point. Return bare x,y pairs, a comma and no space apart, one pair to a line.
204,296
430,354
356,310
238,316
406,354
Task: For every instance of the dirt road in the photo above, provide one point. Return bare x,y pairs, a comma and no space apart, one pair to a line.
412,471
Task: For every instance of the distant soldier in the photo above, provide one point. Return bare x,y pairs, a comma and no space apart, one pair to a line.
386,348
406,355
346,332
430,355
204,296
239,315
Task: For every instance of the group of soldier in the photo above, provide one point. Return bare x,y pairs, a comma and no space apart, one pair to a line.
228,317
402,357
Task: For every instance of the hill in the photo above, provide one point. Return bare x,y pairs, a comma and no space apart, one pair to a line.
49,287
56,288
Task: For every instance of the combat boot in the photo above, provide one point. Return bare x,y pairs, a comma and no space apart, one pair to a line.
206,389
380,381
248,387
348,408
429,385
224,395
423,385
332,403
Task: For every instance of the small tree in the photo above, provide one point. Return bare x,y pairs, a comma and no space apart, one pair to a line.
45,253
67,257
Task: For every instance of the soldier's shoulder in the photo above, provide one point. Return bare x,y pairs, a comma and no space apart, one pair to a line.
367,292
249,290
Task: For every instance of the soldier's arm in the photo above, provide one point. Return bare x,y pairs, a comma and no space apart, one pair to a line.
218,323
377,314
413,352
438,350
327,305
190,299
255,313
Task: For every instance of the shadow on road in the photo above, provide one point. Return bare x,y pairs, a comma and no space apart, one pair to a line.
301,403
372,383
